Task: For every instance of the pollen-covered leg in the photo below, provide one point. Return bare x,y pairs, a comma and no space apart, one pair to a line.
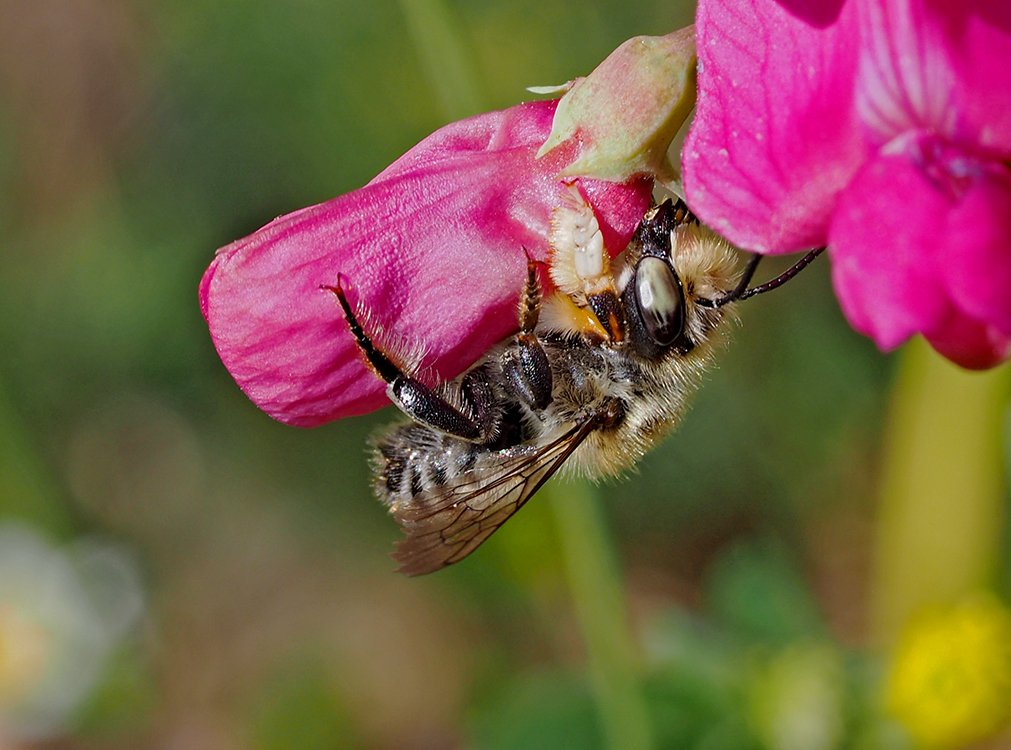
417,400
524,363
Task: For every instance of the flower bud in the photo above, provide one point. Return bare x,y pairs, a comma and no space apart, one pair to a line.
624,114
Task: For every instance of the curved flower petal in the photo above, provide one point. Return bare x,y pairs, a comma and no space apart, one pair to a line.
968,342
433,248
978,35
939,66
774,136
883,127
882,241
905,78
975,247
919,245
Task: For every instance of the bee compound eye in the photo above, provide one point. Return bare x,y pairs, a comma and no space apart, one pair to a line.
660,300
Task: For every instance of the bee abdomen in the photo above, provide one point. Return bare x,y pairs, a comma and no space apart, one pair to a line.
412,460
390,469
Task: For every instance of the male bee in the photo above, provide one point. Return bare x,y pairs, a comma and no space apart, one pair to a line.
599,371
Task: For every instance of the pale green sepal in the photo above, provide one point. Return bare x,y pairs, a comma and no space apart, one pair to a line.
625,114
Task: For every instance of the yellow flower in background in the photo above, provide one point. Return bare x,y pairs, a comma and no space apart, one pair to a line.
950,681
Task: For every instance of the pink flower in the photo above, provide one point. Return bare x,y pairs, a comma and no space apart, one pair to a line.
433,246
881,128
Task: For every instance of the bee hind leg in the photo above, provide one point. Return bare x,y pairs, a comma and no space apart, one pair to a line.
524,363
418,401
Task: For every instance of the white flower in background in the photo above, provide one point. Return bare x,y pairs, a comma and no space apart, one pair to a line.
796,699
62,612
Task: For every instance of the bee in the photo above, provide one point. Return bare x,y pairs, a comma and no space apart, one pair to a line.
598,373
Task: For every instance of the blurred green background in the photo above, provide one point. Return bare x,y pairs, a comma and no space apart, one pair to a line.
178,571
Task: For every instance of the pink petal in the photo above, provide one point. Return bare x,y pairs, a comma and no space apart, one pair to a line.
883,242
969,343
905,80
774,136
920,245
974,244
433,248
939,66
517,127
978,38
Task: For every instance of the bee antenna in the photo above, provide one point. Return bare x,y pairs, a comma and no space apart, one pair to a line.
742,291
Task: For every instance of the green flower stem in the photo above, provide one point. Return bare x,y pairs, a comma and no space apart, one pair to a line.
942,487
594,579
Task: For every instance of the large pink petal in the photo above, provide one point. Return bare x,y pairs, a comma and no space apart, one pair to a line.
883,241
433,248
774,136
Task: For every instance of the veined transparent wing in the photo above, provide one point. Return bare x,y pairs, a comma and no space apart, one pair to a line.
445,524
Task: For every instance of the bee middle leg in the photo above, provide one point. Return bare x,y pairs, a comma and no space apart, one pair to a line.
421,403
524,363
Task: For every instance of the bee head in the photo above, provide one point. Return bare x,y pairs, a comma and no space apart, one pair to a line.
678,276
671,265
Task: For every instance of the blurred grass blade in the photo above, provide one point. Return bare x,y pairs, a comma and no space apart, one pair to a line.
26,489
600,607
942,487
448,66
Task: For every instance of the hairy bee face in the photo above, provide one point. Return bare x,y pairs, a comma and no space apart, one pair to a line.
599,371
670,265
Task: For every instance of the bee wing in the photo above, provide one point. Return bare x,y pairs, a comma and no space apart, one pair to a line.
445,524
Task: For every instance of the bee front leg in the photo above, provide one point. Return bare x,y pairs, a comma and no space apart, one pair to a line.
524,363
421,403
